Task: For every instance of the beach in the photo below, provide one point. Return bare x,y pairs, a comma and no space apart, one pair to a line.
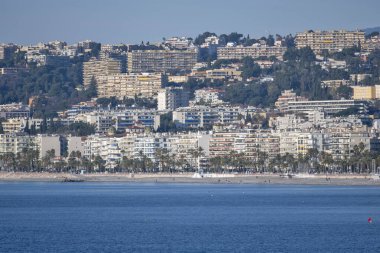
302,179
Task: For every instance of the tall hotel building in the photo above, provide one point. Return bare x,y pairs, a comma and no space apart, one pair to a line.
332,41
129,85
161,60
95,68
254,51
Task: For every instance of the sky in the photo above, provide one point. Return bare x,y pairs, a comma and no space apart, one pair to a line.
127,21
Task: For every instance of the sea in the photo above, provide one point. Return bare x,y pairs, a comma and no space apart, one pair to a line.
148,217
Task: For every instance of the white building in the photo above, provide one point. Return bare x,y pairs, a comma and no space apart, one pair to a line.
45,143
75,144
171,98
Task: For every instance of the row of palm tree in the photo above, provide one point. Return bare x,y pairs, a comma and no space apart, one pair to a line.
359,161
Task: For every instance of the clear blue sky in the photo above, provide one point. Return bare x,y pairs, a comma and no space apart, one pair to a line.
118,21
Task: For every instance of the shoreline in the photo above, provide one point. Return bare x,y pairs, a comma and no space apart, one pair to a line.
300,179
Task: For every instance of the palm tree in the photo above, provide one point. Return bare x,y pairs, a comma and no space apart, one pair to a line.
196,154
47,159
262,158
86,164
301,162
312,157
162,158
181,163
215,164
9,160
326,160
366,159
73,163
99,163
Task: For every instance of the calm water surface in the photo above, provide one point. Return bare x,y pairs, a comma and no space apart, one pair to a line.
116,217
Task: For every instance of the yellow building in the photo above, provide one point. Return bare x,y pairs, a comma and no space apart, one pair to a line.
365,92
332,41
129,85
222,74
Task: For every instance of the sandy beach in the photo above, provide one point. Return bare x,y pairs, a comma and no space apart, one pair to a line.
189,178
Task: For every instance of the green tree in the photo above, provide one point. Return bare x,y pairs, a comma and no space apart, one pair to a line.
200,39
196,154
249,68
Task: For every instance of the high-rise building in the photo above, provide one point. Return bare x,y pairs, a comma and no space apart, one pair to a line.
254,51
6,51
45,143
103,67
332,41
129,85
15,143
161,60
366,92
171,98
327,106
14,110
286,97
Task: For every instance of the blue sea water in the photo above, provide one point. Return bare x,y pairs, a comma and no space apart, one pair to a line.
124,217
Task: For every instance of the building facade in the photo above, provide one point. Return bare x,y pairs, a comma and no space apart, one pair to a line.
172,98
331,41
100,67
129,85
255,51
161,60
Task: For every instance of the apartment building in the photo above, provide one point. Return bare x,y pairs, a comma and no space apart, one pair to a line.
366,92
14,125
287,96
171,98
148,145
205,116
327,106
225,141
106,147
297,142
178,79
143,118
256,144
45,143
161,60
224,74
340,141
254,51
49,60
14,110
75,144
110,151
261,143
332,41
195,117
179,42
129,85
209,96
359,78
95,68
334,84
182,146
15,143
6,51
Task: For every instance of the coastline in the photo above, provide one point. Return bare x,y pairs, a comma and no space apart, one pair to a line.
348,180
